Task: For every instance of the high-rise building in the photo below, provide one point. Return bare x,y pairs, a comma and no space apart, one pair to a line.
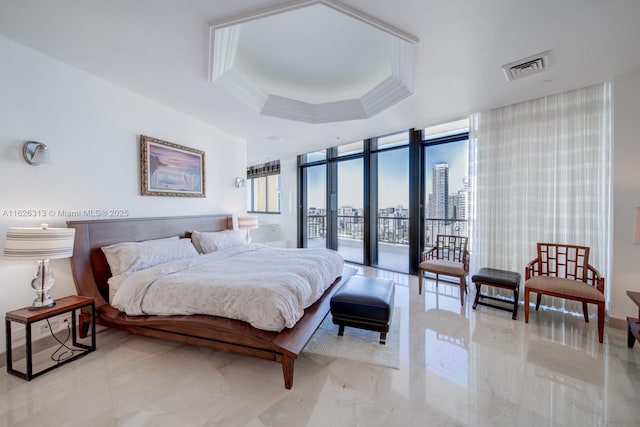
439,203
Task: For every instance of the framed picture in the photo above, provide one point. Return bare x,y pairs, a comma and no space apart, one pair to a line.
170,169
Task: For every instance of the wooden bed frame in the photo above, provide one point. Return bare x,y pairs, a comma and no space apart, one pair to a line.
91,272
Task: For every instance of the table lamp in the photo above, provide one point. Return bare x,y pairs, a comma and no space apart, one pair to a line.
248,222
41,244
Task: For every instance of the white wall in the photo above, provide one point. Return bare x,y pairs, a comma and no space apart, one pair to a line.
92,129
626,194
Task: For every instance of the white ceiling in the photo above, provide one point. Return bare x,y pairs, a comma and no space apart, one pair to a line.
462,47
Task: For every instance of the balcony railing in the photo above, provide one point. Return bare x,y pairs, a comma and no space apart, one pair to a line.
316,227
452,227
393,230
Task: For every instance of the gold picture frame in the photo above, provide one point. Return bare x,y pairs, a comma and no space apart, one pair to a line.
169,169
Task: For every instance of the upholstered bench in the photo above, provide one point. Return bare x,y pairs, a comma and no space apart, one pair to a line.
365,303
499,279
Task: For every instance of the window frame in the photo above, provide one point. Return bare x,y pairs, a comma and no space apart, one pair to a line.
252,195
416,142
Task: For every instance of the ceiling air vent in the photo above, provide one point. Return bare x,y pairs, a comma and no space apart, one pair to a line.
527,66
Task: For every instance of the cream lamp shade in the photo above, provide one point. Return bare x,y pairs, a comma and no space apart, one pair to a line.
248,222
36,243
40,244
636,229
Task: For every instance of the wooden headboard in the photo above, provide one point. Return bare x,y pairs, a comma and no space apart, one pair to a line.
89,265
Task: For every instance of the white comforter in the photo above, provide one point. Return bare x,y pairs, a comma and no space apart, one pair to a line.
266,287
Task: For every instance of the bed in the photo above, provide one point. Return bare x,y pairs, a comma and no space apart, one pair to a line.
91,273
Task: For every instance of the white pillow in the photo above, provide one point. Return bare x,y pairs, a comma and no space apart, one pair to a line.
212,241
129,257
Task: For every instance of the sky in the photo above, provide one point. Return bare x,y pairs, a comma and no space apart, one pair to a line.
393,176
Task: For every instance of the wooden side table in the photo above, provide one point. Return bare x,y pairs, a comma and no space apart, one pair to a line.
633,324
27,317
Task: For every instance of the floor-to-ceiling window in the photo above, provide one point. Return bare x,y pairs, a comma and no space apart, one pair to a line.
350,206
390,161
446,184
380,207
314,200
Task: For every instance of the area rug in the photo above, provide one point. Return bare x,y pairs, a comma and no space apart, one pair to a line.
358,344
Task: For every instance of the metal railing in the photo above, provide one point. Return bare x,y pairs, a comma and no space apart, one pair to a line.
316,227
393,230
452,227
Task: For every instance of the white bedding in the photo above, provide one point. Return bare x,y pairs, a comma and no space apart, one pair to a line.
264,286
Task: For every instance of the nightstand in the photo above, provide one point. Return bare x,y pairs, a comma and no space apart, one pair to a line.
27,317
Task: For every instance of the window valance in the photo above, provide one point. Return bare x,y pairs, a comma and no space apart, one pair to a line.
264,169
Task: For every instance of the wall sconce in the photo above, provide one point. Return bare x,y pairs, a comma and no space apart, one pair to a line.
35,153
239,182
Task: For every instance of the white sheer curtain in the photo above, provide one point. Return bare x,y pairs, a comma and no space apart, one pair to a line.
540,171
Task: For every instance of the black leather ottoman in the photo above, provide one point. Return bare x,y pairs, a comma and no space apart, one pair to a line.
499,279
365,303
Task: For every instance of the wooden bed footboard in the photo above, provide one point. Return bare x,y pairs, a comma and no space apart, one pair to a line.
91,272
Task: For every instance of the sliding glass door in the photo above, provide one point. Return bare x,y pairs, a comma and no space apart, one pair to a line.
315,193
392,214
350,212
382,201
446,190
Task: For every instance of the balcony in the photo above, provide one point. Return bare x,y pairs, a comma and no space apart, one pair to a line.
393,237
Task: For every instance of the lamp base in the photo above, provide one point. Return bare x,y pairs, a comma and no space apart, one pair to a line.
42,281
45,302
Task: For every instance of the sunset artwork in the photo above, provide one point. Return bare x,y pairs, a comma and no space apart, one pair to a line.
170,169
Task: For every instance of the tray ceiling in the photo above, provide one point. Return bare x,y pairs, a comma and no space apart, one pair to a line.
312,61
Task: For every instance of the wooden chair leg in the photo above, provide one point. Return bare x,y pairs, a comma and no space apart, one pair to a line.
585,311
601,321
538,301
463,288
420,273
526,305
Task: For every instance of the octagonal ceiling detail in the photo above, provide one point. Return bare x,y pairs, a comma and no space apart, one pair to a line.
312,61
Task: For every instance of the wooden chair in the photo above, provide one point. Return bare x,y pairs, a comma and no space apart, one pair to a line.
448,257
564,271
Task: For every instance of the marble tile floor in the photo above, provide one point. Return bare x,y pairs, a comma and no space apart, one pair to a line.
459,367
